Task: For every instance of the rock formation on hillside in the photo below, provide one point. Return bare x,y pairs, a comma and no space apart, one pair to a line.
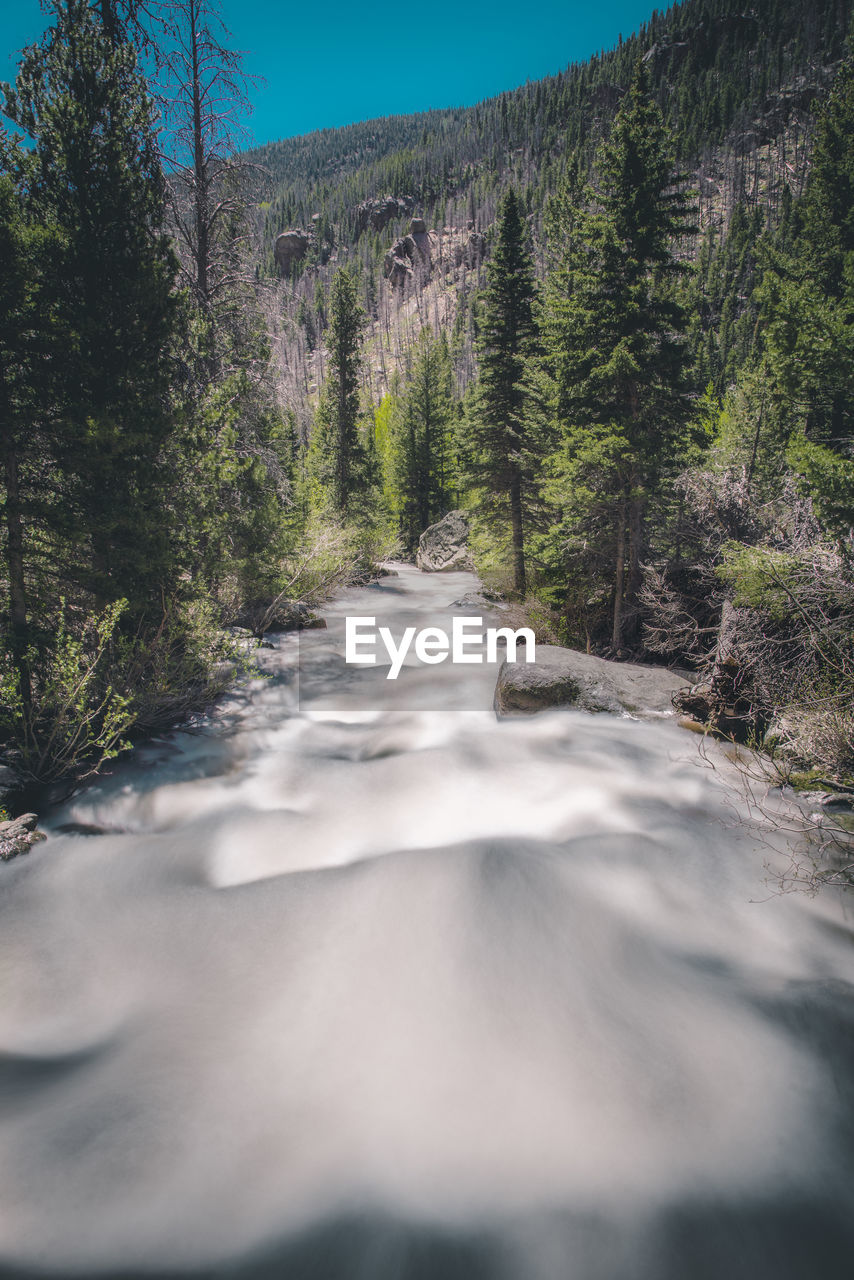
378,213
410,254
291,247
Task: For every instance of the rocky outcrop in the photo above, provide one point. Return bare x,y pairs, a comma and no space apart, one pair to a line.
444,546
378,213
18,835
470,251
410,254
397,264
423,253
566,678
673,51
291,247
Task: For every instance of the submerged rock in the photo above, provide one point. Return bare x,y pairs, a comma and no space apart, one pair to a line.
444,546
566,678
483,599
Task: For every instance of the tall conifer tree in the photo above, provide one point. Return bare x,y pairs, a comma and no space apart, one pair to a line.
501,443
808,300
420,442
96,177
616,342
338,457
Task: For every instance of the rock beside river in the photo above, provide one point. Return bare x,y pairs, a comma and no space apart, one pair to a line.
567,678
9,783
18,835
444,546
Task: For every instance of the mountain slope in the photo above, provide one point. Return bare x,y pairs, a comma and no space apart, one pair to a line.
738,87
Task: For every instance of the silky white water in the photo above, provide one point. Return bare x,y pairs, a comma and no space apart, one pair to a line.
366,983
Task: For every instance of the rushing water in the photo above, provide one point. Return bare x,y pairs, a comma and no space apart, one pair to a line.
364,986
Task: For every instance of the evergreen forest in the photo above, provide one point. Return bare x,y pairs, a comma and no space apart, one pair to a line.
610,315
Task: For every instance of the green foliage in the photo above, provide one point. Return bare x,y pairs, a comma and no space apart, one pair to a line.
713,65
413,436
339,461
616,348
72,719
796,640
502,443
827,478
169,670
761,578
751,433
808,304
143,459
94,177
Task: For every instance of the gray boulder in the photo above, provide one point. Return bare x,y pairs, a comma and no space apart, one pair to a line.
566,678
291,247
838,802
9,782
18,835
444,546
480,600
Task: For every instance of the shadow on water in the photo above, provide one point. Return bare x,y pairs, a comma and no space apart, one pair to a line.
797,1241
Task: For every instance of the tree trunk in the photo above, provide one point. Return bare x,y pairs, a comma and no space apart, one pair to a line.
754,453
619,576
15,561
201,195
342,478
519,583
635,546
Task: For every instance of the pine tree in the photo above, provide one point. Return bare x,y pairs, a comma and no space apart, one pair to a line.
616,346
30,254
500,444
808,305
96,178
421,472
338,456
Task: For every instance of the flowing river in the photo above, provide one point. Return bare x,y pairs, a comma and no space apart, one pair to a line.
354,982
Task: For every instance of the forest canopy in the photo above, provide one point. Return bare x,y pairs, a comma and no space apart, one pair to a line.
609,315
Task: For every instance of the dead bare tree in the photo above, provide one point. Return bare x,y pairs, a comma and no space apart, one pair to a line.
815,828
202,93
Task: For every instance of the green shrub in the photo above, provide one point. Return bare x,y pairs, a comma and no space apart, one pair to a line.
73,718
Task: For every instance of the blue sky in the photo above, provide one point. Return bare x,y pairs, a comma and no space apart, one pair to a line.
328,64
